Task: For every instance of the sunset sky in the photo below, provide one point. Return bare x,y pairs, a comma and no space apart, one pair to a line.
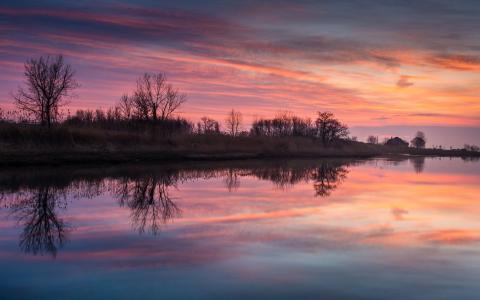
383,67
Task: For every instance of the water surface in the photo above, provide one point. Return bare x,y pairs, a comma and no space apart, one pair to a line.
304,229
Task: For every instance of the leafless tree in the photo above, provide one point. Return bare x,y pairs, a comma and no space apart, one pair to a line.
329,129
372,139
419,141
155,99
207,125
125,106
173,100
473,148
233,121
49,80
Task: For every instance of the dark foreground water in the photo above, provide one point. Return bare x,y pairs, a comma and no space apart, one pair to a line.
323,229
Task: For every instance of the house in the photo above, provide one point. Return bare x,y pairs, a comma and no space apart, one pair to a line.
397,142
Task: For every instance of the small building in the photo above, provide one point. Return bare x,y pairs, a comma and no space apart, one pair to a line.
397,142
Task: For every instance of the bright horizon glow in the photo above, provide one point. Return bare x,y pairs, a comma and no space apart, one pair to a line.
377,65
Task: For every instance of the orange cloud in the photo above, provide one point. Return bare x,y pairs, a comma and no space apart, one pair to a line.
452,237
457,62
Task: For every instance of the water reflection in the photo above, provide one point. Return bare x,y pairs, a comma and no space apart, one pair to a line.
215,229
36,199
36,211
149,200
418,163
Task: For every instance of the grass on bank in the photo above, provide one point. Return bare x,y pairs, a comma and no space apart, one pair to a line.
28,144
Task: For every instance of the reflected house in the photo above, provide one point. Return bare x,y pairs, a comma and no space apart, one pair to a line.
43,231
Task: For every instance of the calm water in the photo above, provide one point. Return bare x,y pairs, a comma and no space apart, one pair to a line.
330,229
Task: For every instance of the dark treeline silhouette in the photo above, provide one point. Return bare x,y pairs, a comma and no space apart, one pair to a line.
109,120
151,105
326,127
208,126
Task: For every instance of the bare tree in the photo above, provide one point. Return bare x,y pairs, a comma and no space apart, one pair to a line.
473,148
125,106
155,99
49,80
233,121
372,139
173,100
207,125
419,141
329,128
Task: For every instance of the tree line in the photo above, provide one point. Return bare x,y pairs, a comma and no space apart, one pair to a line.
325,127
50,81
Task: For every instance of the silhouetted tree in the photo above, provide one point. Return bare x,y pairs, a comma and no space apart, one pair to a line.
48,81
372,139
329,128
125,106
472,148
207,125
282,125
233,121
174,99
155,99
419,140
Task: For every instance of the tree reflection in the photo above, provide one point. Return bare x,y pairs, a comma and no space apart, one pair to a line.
149,200
34,198
418,163
232,180
325,175
470,158
43,231
327,178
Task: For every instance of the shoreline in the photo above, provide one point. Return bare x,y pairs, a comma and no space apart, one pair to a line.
62,157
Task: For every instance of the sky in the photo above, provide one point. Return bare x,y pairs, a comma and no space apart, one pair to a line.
383,67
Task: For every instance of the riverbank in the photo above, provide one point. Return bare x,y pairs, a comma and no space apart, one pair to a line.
76,156
72,155
25,146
